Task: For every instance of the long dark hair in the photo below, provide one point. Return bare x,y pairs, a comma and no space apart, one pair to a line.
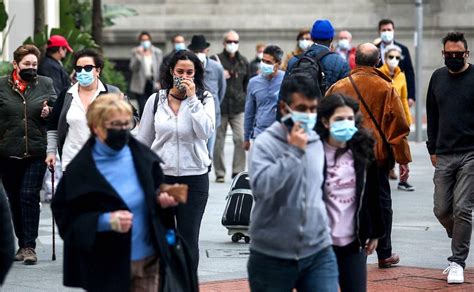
362,143
167,77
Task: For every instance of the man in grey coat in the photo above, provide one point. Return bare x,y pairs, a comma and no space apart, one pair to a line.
291,245
213,80
145,67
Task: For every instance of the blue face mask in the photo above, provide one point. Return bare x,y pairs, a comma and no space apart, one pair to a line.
307,120
146,44
179,46
342,131
266,69
85,78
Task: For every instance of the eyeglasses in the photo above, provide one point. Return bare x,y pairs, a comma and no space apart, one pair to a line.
118,125
231,41
453,54
391,57
88,68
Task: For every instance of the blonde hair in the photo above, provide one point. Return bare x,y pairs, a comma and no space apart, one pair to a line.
103,107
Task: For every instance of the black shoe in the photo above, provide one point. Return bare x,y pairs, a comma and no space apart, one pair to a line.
220,179
234,174
404,186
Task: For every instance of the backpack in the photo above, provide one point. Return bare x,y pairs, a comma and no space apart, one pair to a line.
312,68
202,95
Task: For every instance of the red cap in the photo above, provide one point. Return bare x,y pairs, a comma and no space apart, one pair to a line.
58,41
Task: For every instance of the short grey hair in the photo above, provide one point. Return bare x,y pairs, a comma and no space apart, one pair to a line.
230,31
390,48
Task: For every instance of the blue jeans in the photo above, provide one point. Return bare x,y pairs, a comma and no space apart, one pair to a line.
317,272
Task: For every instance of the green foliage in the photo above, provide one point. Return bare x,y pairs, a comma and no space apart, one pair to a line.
111,76
3,16
5,68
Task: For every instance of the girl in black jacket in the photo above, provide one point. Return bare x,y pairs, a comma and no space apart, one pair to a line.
350,188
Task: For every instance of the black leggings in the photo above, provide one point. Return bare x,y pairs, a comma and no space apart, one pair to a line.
352,264
189,215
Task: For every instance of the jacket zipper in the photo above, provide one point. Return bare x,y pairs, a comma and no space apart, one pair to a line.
358,212
25,119
305,209
177,143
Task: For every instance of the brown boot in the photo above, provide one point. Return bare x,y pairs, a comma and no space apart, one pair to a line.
19,256
30,257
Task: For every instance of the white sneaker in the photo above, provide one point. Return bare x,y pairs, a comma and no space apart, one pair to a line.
455,273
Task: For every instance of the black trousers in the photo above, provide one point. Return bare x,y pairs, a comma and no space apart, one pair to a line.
142,98
189,215
384,248
352,265
22,179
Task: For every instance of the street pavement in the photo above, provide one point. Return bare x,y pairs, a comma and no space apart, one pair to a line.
417,237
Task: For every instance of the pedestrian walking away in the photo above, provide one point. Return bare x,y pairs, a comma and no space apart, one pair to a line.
25,105
449,108
145,65
236,72
350,189
286,170
111,184
263,90
177,129
383,115
67,126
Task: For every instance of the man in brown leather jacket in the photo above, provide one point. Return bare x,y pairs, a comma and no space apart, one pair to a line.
383,101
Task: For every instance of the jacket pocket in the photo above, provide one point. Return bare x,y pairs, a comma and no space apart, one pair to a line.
189,158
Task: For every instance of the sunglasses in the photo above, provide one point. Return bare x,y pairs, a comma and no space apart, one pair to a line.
396,57
231,41
88,68
454,54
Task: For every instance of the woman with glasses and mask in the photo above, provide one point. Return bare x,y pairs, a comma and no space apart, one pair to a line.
393,55
67,128
25,106
107,207
303,42
176,124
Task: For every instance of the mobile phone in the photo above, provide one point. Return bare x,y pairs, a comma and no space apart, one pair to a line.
288,122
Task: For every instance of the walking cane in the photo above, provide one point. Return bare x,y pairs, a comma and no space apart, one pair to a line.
53,257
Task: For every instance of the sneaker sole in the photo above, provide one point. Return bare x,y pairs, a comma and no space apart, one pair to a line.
29,263
456,282
406,190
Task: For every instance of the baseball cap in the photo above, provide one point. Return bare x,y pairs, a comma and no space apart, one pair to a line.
58,41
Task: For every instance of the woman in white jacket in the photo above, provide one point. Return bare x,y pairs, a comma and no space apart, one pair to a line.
176,123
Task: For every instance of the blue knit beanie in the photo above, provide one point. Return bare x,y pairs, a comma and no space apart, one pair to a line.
322,30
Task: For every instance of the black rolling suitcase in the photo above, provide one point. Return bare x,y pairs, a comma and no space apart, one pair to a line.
236,217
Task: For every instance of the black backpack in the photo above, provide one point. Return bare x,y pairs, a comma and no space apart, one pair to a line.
312,68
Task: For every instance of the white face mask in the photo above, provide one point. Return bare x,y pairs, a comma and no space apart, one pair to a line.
259,56
304,44
232,48
387,36
344,44
392,63
201,57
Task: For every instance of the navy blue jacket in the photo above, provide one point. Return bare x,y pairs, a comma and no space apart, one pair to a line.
335,67
51,68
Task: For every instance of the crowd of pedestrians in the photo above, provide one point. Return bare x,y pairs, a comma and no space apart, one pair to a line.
324,126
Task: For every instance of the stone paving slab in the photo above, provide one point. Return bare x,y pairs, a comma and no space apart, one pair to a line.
399,278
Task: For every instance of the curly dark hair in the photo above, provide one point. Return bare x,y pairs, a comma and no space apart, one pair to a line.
362,143
167,77
92,53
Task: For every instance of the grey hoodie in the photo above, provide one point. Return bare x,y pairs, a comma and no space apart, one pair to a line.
289,218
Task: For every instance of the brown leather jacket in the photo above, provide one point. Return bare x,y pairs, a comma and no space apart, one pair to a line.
383,100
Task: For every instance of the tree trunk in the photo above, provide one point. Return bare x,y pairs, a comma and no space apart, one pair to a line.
39,16
97,22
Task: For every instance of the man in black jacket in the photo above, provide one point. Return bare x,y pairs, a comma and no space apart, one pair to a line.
7,247
51,66
387,36
449,112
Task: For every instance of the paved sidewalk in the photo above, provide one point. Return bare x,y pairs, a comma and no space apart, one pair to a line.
395,279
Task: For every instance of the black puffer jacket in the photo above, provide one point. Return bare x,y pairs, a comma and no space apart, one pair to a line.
22,129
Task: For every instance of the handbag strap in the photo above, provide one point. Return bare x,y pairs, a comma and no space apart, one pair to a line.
382,135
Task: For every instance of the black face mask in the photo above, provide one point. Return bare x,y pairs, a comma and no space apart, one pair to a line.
454,64
117,139
28,74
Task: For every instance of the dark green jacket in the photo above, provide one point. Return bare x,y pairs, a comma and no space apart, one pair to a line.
234,99
22,129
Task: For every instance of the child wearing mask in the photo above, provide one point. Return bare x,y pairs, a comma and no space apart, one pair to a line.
350,188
